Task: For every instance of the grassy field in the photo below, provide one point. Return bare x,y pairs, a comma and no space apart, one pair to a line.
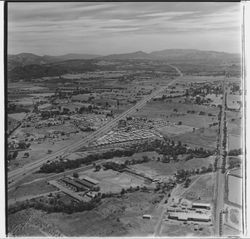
165,110
17,116
159,168
179,229
234,189
33,189
234,141
113,217
36,151
202,189
112,181
200,138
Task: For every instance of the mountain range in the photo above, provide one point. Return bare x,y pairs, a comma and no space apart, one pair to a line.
172,55
29,66
24,59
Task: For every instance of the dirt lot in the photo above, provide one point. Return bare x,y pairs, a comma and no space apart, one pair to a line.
202,190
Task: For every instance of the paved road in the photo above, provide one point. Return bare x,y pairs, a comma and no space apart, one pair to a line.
220,176
18,174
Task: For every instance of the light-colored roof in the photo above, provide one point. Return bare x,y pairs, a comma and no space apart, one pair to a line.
186,216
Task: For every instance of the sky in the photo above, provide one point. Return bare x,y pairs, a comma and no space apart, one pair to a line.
54,28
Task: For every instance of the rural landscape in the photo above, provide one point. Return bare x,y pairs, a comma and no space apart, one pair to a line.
145,143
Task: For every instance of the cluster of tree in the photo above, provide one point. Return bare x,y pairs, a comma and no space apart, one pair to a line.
213,124
182,175
114,166
13,108
21,146
164,187
12,156
61,166
187,183
224,144
55,205
235,152
83,109
133,161
166,147
234,162
171,150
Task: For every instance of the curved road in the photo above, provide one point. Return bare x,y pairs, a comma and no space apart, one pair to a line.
18,174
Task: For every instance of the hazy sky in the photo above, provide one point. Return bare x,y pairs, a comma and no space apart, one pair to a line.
109,27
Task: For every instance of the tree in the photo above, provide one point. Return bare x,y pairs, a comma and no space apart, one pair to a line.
187,182
15,154
97,168
75,175
49,151
26,154
123,191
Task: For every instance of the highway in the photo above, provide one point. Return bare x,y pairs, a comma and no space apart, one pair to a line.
18,174
220,177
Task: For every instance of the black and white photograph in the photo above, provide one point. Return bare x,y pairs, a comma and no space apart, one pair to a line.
124,119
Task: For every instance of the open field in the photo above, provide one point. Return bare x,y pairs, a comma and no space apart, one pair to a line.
112,181
35,188
119,216
177,229
234,141
166,111
233,218
30,222
37,150
202,189
234,189
17,116
200,138
159,168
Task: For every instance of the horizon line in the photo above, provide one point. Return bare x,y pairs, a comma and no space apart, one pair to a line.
100,55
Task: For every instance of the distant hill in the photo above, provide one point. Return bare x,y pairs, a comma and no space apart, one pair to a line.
178,55
24,59
174,55
30,66
125,56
